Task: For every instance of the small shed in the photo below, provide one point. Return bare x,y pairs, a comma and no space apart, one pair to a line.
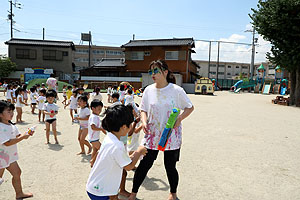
204,86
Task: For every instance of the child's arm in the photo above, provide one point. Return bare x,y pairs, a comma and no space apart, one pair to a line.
19,138
83,119
95,128
138,129
20,98
135,157
132,129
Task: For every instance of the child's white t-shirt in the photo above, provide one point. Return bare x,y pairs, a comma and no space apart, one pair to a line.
109,91
41,102
133,140
14,92
8,94
94,135
8,154
122,95
64,92
128,100
33,97
106,174
48,108
73,103
116,103
19,104
97,96
83,113
158,103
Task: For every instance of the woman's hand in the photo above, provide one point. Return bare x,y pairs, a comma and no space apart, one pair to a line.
178,121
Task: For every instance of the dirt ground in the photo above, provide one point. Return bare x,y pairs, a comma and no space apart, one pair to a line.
235,146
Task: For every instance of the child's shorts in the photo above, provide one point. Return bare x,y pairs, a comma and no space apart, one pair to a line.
33,104
94,197
83,126
50,121
93,141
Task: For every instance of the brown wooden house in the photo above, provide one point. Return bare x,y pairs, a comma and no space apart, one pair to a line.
176,52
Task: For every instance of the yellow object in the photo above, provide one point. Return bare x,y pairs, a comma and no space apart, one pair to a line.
204,86
69,94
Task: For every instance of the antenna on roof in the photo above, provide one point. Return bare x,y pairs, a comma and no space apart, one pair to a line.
133,36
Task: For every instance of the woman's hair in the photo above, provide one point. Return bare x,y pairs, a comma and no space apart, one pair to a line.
95,103
162,65
6,105
84,98
116,117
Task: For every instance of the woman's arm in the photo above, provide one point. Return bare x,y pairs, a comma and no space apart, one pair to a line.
182,116
144,121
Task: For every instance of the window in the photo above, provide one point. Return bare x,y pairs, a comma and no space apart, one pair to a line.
116,53
147,53
222,66
236,74
213,65
213,72
244,67
171,55
137,55
98,52
82,51
228,74
271,67
49,54
237,67
65,53
221,73
229,66
25,54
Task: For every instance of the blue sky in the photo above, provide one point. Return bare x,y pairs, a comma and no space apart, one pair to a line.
113,23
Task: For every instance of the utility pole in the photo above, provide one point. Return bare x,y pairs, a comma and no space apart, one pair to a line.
253,52
218,61
11,15
43,33
209,54
90,38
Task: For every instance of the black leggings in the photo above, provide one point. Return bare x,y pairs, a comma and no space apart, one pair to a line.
170,159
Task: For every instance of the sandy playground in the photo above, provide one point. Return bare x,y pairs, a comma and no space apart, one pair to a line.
235,146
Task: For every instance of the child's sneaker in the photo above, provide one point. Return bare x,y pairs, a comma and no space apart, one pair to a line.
1,180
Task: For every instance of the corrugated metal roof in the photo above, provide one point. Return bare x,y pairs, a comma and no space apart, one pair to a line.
41,42
160,42
110,62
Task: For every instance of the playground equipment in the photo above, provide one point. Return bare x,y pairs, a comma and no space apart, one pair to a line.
283,86
216,84
236,86
242,84
204,86
260,78
278,78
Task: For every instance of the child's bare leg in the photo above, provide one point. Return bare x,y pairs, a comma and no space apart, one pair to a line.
40,112
47,132
43,116
122,185
132,196
33,108
54,131
1,175
81,145
15,171
71,113
18,118
83,141
21,112
96,146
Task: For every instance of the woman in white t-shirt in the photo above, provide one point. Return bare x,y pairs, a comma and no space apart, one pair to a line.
83,117
157,103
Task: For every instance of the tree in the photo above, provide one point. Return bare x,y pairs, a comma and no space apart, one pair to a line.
278,22
6,66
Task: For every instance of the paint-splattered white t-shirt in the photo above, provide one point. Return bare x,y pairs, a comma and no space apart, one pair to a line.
8,154
158,103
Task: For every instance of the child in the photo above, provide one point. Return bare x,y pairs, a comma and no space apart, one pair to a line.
44,86
9,137
122,93
95,128
25,93
38,88
69,93
115,99
83,117
41,102
97,94
128,98
109,94
4,86
105,177
64,95
33,97
56,90
14,97
73,104
20,103
74,88
9,94
50,110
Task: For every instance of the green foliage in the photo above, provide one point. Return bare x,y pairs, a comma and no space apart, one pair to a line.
278,21
6,66
40,81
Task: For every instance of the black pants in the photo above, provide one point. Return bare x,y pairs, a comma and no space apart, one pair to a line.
170,159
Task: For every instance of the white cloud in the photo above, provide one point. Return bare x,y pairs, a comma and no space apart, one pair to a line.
3,48
233,52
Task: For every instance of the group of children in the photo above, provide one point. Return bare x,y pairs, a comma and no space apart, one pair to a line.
121,122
